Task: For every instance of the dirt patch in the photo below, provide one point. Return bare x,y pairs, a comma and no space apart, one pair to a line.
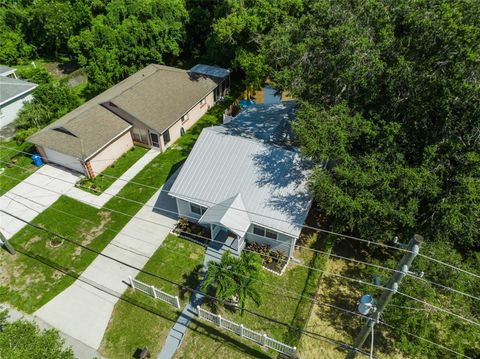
33,240
96,231
331,322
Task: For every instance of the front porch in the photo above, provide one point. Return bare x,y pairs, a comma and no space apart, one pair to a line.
223,240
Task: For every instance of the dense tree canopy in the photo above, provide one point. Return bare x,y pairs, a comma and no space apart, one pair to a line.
23,339
392,95
129,36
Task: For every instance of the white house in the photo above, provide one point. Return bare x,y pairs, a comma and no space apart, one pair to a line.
13,94
245,181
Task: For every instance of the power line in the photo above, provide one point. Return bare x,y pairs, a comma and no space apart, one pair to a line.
239,209
332,341
191,290
315,269
312,268
280,245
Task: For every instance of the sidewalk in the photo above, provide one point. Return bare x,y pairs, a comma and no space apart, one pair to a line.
83,310
80,350
175,337
36,187
100,200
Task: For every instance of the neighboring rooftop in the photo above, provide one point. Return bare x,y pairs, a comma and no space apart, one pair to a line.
11,88
5,70
212,71
161,95
271,179
156,95
82,136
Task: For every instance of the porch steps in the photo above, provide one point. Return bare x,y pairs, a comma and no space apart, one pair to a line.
220,245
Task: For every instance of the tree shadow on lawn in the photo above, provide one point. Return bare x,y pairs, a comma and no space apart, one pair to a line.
190,280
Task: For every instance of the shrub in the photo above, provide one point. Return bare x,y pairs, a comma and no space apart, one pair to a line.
22,135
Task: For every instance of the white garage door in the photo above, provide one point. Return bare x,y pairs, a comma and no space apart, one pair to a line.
64,160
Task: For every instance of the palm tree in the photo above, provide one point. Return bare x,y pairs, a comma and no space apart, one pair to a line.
219,277
234,278
248,272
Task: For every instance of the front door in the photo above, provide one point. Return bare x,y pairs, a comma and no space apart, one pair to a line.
154,139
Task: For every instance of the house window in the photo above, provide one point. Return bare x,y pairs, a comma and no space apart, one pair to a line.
185,118
259,231
203,102
182,131
264,232
270,234
194,208
166,137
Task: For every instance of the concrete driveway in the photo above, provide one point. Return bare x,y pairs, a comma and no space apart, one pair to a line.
42,187
83,310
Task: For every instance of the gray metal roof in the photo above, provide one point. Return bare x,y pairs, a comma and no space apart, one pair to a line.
212,71
11,88
271,179
5,70
230,213
264,122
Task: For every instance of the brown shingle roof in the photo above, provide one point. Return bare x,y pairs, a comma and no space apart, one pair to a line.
79,136
156,95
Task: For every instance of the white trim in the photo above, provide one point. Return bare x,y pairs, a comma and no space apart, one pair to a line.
9,72
108,143
19,95
186,199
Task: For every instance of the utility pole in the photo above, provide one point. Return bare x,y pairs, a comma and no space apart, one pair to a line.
5,243
391,288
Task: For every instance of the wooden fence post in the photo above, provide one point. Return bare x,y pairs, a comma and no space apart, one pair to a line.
198,311
153,291
131,282
264,341
241,330
177,302
219,317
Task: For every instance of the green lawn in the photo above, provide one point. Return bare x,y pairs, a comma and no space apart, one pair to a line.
11,155
140,320
116,169
32,277
206,340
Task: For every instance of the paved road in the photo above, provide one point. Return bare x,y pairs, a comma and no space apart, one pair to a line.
37,187
83,310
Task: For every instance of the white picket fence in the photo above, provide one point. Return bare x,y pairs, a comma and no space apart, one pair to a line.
244,332
155,292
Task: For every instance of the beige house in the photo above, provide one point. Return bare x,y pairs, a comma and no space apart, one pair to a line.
153,108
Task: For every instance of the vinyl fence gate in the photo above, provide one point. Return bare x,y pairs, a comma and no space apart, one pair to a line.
155,292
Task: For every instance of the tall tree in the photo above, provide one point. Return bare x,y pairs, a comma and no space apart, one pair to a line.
129,36
23,339
411,71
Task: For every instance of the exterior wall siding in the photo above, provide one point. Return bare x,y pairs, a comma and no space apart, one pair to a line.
193,116
9,111
111,153
183,208
283,243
